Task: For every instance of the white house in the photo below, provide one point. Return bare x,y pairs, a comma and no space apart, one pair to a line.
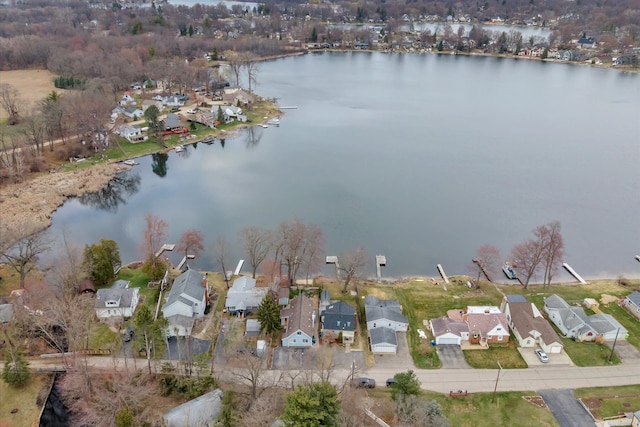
198,412
528,325
383,341
487,325
385,313
131,133
632,303
117,301
127,99
299,322
573,322
244,296
185,302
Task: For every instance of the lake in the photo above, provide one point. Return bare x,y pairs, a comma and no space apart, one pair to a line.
423,158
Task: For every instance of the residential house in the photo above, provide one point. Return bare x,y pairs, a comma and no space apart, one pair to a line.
635,421
339,318
626,60
325,300
487,325
385,313
235,96
172,122
127,99
185,302
283,296
632,303
149,102
131,133
573,322
117,301
528,325
298,321
244,297
198,412
130,112
586,43
174,100
383,341
229,112
446,330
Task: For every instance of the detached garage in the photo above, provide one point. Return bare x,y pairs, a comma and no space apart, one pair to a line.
383,341
448,331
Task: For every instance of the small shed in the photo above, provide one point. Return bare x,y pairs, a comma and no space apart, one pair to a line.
252,329
261,348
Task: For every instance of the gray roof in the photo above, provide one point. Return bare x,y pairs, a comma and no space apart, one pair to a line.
324,295
383,336
6,313
123,296
575,317
376,309
120,284
339,316
516,298
527,324
197,412
244,293
172,121
634,297
444,325
253,325
189,283
554,301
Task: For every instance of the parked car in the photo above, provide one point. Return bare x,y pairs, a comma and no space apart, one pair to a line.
128,334
390,382
363,382
542,355
194,110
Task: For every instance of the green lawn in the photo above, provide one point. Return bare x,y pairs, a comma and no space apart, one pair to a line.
612,400
138,278
101,337
24,399
508,356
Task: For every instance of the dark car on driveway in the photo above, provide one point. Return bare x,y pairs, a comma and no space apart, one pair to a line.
363,382
390,382
128,334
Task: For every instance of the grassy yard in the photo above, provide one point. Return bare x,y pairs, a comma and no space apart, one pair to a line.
480,409
607,402
139,279
101,337
22,398
508,356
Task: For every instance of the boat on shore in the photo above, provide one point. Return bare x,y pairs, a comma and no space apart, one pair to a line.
274,122
130,162
179,148
509,272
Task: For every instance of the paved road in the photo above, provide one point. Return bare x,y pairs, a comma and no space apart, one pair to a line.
567,410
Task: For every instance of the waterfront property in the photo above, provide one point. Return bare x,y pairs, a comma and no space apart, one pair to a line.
244,297
339,318
632,304
384,320
298,321
185,302
117,301
487,325
528,325
573,322
446,330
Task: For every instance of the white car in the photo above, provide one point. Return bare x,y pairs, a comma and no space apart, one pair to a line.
542,355
194,110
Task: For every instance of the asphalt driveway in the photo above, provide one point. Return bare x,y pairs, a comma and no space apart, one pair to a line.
566,408
452,357
627,353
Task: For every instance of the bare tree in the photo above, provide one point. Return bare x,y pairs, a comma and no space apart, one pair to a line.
298,244
235,64
191,243
526,258
487,259
250,63
28,244
257,243
155,234
351,264
67,270
220,255
551,237
10,102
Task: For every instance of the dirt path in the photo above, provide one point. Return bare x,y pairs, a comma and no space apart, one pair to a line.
38,198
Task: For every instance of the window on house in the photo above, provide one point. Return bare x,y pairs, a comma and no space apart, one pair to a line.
338,323
500,337
305,340
299,333
374,325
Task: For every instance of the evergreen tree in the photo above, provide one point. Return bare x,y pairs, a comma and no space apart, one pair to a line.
406,384
227,417
314,405
269,316
16,369
314,35
101,260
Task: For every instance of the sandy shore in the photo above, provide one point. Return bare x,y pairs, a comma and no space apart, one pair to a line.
38,198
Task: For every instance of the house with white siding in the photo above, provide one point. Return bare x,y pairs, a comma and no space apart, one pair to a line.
528,325
185,302
244,297
384,320
117,301
299,322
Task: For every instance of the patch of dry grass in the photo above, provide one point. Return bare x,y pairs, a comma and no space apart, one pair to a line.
32,85
24,399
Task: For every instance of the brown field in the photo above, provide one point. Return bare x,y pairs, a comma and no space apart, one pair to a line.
33,85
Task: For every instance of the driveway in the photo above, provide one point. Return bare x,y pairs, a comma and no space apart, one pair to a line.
566,408
555,359
452,357
627,353
401,361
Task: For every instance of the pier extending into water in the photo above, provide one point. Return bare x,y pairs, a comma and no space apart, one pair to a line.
573,273
381,261
442,273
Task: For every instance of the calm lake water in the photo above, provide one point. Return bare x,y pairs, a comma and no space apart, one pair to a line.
422,158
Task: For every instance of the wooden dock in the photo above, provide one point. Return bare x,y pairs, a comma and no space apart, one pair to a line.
442,273
166,247
381,261
239,267
479,264
638,258
573,273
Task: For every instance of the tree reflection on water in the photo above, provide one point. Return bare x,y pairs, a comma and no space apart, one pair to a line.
159,164
116,192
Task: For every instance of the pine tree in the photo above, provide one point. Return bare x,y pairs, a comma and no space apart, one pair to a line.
314,405
269,316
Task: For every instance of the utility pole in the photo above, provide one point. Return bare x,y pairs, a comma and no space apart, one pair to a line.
497,379
614,345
